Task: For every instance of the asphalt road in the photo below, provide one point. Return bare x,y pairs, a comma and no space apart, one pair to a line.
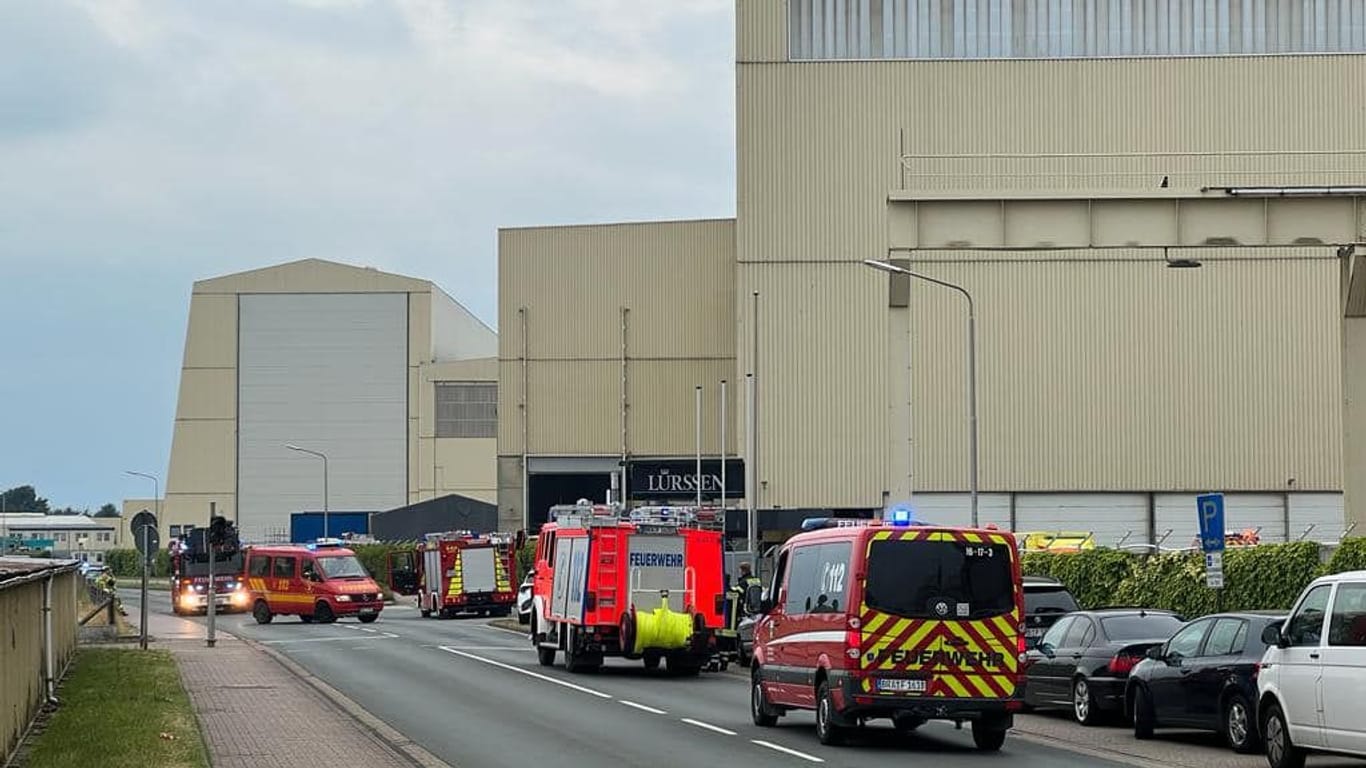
473,695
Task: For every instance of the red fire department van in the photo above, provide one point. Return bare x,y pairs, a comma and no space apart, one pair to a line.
319,582
190,582
644,584
458,571
892,619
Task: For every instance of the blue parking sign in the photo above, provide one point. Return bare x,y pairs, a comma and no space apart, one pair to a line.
1210,513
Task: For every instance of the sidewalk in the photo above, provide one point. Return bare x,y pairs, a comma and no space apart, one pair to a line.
258,710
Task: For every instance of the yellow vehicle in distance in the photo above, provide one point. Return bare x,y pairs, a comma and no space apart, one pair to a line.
1056,541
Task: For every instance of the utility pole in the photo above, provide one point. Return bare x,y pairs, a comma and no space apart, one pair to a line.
213,587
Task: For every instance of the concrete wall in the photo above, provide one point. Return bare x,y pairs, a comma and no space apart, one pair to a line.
22,686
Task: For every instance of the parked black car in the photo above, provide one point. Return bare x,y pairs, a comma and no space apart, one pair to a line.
1046,601
1204,677
1084,659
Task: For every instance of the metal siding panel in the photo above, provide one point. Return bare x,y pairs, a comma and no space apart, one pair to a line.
1114,376
1176,511
675,277
663,406
329,372
1323,511
1354,419
574,407
1108,516
821,386
956,509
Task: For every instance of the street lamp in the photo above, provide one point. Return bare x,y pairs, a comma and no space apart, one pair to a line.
972,364
156,491
322,456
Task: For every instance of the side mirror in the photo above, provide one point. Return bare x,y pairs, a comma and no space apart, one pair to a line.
1155,653
531,573
1046,649
765,605
1271,635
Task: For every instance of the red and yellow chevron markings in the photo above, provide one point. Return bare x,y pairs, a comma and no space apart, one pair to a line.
963,658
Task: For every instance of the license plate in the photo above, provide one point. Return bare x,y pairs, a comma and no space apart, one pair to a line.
902,685
366,611
1035,632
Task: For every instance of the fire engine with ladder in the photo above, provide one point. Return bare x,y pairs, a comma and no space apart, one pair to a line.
458,572
645,584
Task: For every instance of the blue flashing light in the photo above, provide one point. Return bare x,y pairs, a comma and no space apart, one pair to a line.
901,515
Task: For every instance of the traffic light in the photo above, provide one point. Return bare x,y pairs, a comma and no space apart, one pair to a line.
218,530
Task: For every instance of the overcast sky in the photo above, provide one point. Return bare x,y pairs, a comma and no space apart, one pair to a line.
145,144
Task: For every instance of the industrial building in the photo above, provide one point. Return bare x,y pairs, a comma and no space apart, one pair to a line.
384,385
1154,207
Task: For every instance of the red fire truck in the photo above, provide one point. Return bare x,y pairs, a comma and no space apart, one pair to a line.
458,571
646,583
190,581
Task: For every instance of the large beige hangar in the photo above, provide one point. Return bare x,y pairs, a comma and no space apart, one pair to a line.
386,376
1155,207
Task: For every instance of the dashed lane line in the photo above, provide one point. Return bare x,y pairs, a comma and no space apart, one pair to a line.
708,726
786,751
340,638
634,705
527,672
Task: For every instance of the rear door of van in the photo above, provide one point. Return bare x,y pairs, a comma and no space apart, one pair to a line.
939,615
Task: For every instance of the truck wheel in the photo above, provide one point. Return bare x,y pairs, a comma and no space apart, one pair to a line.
322,613
989,734
759,710
422,607
261,612
828,731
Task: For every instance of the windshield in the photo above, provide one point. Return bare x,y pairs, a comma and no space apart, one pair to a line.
1151,627
1049,600
939,579
342,567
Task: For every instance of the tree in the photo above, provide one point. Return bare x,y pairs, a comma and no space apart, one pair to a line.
108,510
24,499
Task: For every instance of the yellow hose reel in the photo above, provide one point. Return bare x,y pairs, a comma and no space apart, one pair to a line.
660,629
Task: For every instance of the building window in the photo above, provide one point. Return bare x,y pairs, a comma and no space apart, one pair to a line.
1063,29
103,536
466,409
175,531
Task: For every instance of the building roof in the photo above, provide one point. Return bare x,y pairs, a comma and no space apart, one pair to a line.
18,567
28,521
311,276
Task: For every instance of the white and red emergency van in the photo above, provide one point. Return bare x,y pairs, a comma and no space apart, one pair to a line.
892,619
458,571
646,584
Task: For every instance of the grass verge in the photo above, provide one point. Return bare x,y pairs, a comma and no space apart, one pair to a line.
121,709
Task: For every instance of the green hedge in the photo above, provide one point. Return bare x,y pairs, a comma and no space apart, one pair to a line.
1350,556
1270,576
127,563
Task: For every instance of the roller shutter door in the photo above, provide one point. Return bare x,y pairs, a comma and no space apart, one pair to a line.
1109,516
1176,511
1324,512
330,373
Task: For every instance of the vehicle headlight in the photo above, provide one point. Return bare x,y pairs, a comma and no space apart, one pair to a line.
343,598
199,587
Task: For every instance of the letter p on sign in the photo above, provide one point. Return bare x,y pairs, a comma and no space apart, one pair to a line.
1210,510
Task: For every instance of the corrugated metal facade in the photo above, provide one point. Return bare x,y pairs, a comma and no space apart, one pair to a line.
1016,29
1099,371
676,282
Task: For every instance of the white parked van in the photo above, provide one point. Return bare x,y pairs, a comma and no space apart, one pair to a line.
1314,674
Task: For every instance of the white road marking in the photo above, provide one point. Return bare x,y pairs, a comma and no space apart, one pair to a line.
367,629
528,673
708,726
642,707
785,750
487,648
348,638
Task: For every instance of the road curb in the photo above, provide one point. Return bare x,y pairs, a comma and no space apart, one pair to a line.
380,729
